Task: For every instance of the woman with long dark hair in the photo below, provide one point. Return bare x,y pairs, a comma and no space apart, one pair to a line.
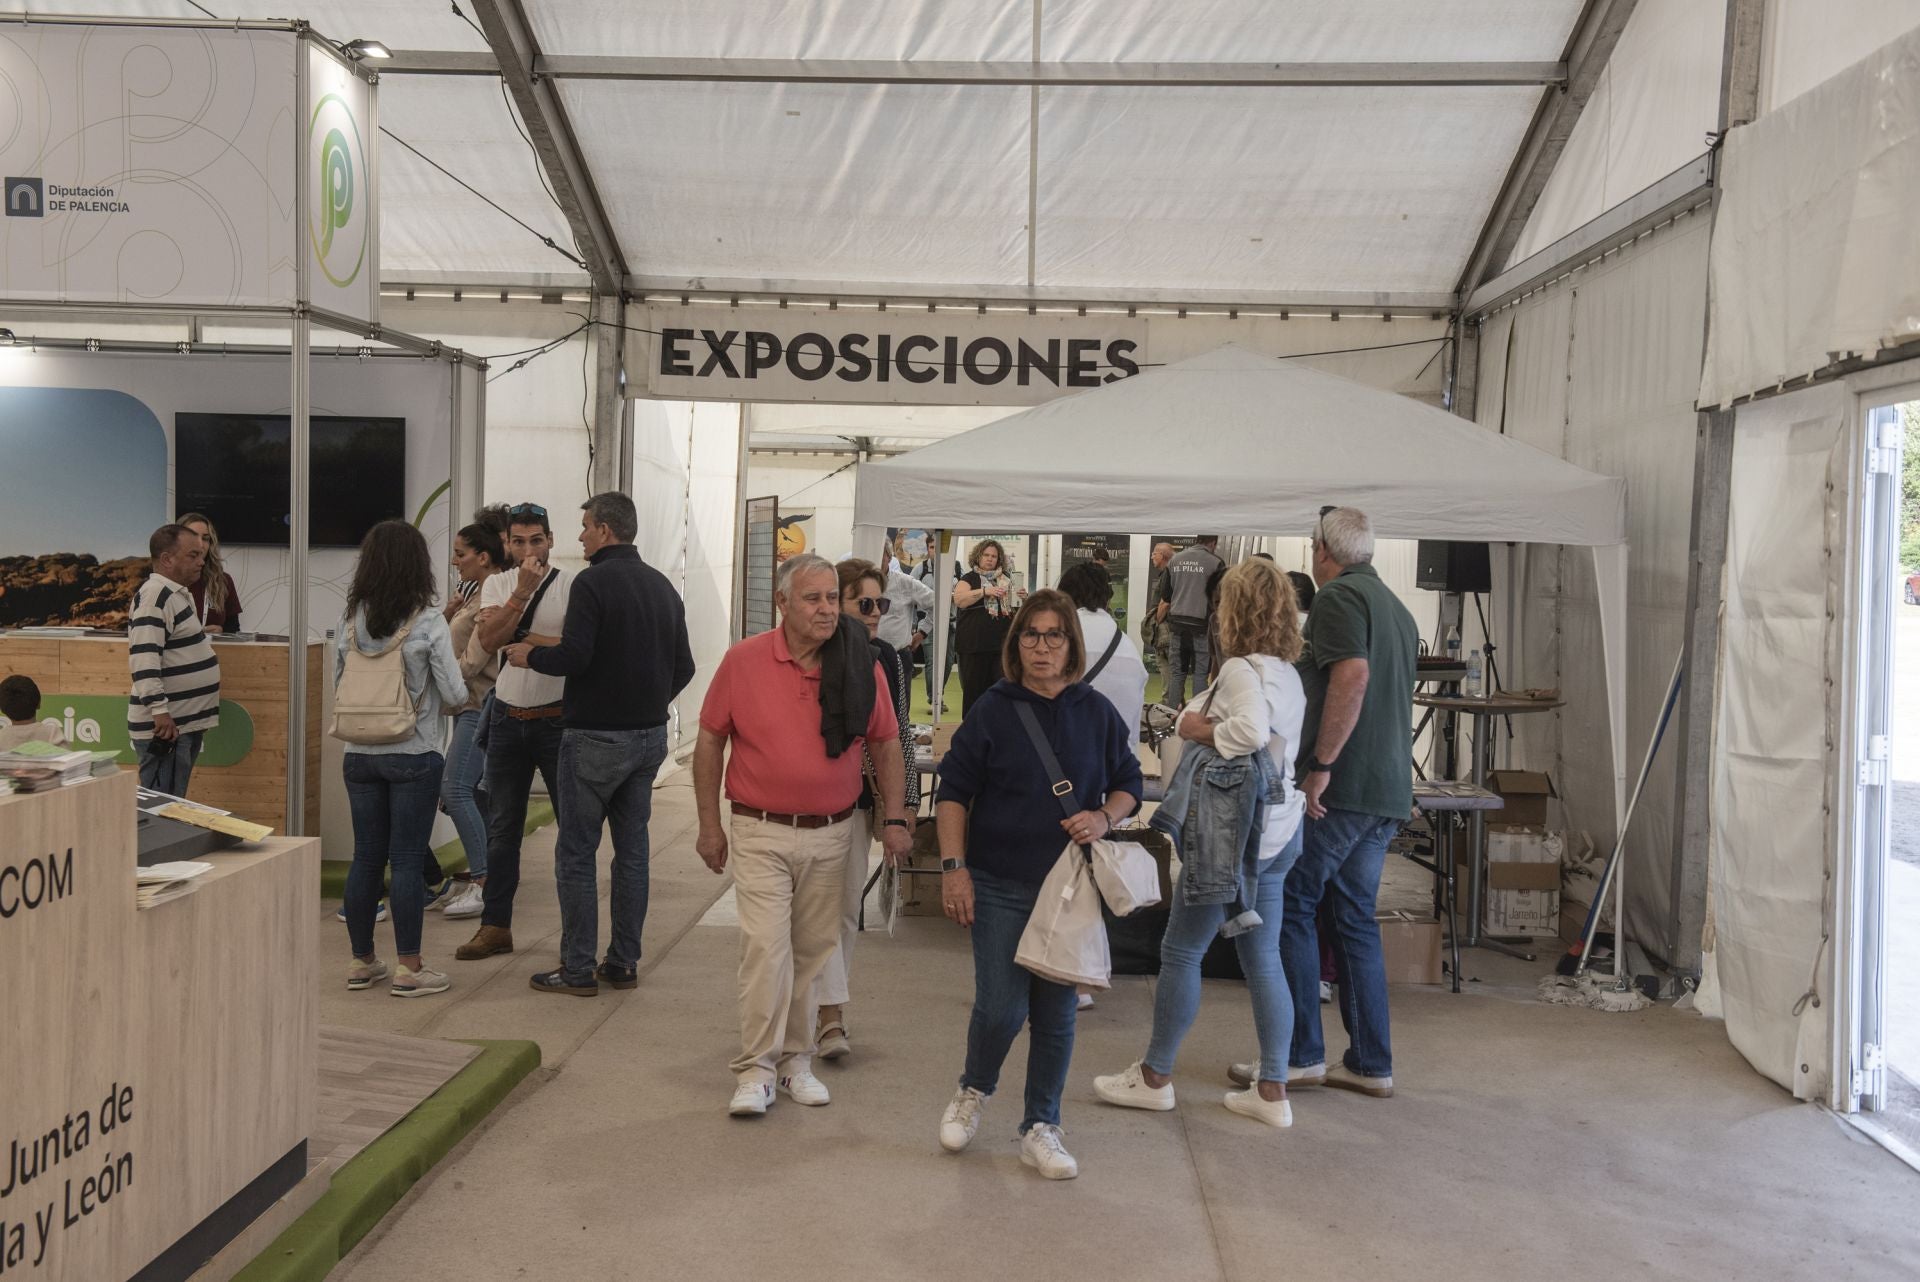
393,782
478,552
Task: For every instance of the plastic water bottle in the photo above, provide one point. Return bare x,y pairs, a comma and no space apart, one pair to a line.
1453,643
1475,686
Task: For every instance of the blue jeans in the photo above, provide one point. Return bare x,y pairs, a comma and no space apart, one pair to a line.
1340,863
1186,657
392,796
605,776
515,749
1190,930
1006,996
460,792
169,772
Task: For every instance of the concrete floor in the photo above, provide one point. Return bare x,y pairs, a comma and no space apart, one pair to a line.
1526,1140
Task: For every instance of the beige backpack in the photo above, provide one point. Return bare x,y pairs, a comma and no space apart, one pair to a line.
371,704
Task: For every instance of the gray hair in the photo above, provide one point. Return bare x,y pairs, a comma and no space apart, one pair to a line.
1346,535
805,563
615,511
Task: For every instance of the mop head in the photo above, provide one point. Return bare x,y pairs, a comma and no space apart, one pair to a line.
1591,991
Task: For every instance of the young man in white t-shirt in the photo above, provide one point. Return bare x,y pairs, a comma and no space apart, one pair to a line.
527,603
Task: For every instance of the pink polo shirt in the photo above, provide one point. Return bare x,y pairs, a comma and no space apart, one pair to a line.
770,709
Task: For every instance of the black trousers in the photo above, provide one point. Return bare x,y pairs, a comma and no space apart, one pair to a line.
978,672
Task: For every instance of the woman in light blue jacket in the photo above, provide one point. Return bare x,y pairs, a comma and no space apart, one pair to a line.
393,788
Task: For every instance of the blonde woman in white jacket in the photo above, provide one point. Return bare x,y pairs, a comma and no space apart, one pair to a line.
1257,705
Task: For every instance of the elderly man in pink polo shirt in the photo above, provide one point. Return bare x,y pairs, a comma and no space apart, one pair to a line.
776,699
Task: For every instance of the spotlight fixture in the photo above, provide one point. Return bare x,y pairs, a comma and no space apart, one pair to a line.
358,49
6,338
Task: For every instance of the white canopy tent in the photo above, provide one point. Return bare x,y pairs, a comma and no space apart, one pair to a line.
1233,442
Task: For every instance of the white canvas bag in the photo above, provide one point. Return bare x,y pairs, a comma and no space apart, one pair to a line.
1066,937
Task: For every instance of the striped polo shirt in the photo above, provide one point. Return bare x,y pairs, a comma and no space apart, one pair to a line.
172,661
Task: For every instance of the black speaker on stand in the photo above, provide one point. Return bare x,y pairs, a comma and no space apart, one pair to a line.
1453,567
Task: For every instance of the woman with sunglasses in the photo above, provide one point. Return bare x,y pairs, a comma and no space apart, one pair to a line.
863,597
1001,832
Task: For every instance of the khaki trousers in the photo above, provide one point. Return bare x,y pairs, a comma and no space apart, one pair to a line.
831,989
788,885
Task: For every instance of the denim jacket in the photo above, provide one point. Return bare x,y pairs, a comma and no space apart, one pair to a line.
1214,811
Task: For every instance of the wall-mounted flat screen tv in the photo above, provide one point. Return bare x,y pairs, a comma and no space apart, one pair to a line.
233,468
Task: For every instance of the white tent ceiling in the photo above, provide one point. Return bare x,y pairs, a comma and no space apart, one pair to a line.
1151,190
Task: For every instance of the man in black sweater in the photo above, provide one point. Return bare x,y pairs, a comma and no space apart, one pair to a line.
624,653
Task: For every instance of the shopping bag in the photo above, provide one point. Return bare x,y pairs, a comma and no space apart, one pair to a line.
1126,875
1066,938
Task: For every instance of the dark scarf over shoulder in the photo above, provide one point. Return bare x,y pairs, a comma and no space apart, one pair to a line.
846,685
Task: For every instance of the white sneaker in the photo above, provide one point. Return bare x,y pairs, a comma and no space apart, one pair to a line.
804,1088
1306,1075
468,901
962,1119
1083,1002
751,1099
1042,1149
1326,993
1129,1089
424,982
1274,1112
365,974
1340,1077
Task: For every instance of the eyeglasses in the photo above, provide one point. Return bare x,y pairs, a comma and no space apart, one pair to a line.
874,605
1034,640
527,509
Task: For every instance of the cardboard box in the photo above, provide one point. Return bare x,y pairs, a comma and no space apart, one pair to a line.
1526,793
1412,948
1523,881
1523,912
920,876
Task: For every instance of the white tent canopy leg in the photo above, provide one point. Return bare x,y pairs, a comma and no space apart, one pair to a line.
1610,577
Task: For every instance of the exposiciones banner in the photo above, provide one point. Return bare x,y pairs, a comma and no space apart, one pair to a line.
146,164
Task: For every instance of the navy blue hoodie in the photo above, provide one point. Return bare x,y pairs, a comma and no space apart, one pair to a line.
1014,827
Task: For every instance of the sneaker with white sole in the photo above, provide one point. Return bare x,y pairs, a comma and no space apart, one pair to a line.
1326,993
1044,1150
468,901
365,974
1129,1089
962,1119
804,1088
751,1099
1303,1075
1083,1002
1342,1078
424,982
832,1041
1248,1103
379,912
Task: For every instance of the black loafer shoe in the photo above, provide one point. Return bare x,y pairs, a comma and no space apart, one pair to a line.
617,976
557,981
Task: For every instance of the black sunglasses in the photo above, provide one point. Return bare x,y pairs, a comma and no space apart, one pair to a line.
1320,526
874,605
527,509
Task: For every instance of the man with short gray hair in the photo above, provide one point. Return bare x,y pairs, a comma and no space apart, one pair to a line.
624,653
1356,773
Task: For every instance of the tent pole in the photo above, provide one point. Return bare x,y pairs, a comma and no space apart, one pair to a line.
297,446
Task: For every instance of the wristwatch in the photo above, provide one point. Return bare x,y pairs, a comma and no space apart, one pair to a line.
1315,766
893,823
951,865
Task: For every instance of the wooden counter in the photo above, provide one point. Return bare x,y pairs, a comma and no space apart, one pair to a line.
90,674
159,1065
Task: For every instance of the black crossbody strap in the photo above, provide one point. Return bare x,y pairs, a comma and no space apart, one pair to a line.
525,628
1056,777
1105,657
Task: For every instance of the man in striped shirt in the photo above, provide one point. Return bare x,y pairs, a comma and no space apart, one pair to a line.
176,679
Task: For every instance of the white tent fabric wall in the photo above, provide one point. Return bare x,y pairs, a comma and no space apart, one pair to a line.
1599,370
1814,252
1774,764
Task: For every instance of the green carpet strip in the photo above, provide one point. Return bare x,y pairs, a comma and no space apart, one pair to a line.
452,856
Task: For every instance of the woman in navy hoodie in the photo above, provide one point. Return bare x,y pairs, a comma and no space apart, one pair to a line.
1001,831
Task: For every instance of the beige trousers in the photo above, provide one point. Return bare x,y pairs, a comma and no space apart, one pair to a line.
831,989
788,884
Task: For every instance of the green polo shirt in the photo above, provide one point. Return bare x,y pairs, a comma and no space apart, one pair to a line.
1356,616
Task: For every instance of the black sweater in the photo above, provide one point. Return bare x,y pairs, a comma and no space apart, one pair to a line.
623,648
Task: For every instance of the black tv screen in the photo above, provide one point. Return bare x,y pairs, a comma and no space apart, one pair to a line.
233,468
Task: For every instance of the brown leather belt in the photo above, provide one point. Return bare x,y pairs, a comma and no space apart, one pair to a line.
792,821
540,713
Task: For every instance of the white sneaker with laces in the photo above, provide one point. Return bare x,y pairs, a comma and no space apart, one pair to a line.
1340,1077
424,982
751,1099
1043,1149
1305,1075
468,901
962,1119
1129,1089
804,1088
1274,1112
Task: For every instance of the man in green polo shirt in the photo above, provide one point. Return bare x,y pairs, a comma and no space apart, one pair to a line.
1356,771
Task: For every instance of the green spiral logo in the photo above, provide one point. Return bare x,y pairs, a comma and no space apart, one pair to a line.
334,201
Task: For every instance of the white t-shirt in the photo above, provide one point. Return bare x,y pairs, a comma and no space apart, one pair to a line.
523,687
1259,701
1124,679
